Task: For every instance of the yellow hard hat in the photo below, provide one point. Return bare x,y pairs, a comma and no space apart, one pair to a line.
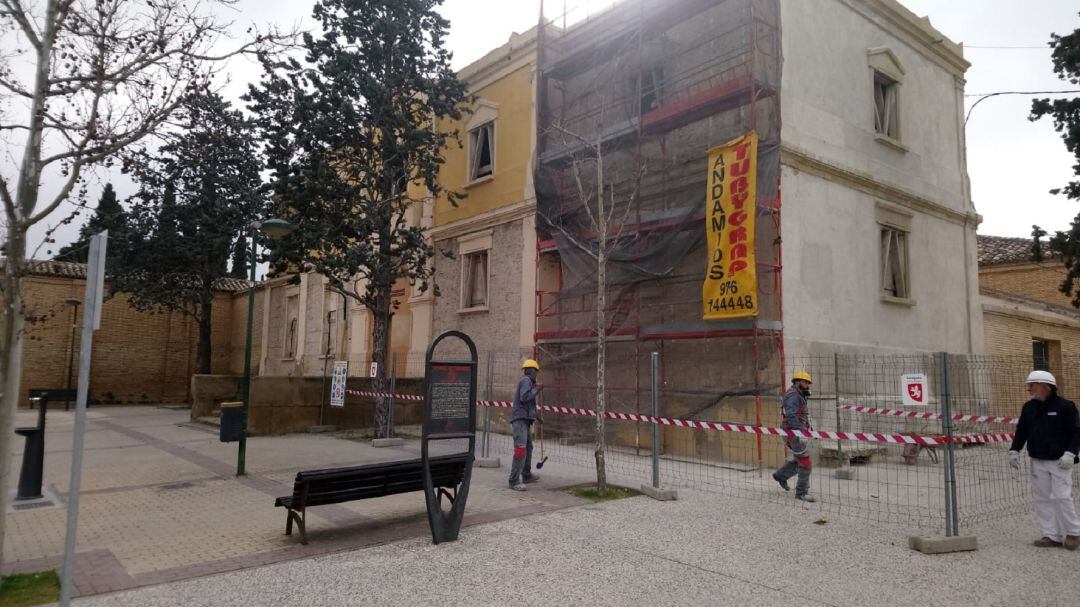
530,364
803,375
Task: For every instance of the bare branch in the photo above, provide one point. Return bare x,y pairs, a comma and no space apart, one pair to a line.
9,203
15,10
15,88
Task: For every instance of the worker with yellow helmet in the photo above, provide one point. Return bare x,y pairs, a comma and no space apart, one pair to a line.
522,415
796,415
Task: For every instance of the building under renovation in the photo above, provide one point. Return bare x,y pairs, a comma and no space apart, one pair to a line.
859,234
596,153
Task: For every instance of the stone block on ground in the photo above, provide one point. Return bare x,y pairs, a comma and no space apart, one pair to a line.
831,457
942,544
387,442
659,493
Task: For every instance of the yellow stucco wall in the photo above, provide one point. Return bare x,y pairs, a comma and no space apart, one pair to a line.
513,141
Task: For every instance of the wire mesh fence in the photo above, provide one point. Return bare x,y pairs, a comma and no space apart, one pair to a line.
873,457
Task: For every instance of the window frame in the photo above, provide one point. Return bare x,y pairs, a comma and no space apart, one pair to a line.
891,220
291,326
330,328
894,263
468,277
489,128
469,246
1035,341
650,85
887,84
886,68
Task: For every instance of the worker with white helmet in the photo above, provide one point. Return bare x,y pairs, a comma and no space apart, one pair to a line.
522,415
1050,428
796,415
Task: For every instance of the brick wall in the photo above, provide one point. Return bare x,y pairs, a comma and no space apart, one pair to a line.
1011,335
138,356
1036,281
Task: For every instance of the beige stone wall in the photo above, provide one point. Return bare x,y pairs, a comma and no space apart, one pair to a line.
314,301
238,334
497,329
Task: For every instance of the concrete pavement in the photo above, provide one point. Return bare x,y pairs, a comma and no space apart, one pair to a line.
701,550
161,502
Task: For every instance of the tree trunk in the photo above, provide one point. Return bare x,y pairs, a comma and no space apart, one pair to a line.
601,376
378,356
26,195
601,323
10,362
203,361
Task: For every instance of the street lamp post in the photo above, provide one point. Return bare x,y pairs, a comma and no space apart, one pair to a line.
273,228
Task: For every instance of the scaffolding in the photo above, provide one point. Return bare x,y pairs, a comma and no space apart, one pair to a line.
649,87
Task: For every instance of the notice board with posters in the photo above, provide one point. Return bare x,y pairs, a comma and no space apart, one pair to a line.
337,383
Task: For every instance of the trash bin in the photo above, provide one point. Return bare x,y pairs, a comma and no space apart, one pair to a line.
33,456
232,422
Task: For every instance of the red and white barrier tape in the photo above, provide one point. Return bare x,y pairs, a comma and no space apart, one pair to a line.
412,397
901,439
985,419
984,438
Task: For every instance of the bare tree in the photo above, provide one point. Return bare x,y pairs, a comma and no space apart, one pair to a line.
104,74
608,210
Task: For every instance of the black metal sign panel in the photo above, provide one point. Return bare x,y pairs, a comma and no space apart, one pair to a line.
449,414
451,398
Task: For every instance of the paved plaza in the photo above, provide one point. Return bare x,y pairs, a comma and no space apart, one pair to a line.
161,502
164,521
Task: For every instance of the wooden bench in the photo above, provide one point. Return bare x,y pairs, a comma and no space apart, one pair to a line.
54,395
337,485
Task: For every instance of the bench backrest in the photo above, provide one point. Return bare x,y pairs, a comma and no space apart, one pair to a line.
54,395
336,485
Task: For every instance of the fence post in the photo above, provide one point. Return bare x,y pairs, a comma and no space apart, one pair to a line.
488,384
655,381
654,491
836,390
393,390
951,510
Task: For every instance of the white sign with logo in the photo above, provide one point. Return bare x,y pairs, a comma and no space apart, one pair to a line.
374,369
915,389
337,385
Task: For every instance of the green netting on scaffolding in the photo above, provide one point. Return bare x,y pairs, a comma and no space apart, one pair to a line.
630,102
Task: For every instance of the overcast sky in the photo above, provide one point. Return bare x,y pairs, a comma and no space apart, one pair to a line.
1012,161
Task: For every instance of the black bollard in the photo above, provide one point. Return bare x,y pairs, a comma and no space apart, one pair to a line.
33,455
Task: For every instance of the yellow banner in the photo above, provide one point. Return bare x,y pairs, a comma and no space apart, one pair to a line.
730,289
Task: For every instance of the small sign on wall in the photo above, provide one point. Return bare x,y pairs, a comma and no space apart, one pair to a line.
374,369
915,388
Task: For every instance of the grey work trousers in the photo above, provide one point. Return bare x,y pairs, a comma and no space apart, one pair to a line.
798,464
521,468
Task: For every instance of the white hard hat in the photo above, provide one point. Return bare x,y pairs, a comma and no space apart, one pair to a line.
1041,377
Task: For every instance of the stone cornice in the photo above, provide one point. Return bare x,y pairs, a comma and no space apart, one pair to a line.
1028,313
927,39
808,163
517,53
483,221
